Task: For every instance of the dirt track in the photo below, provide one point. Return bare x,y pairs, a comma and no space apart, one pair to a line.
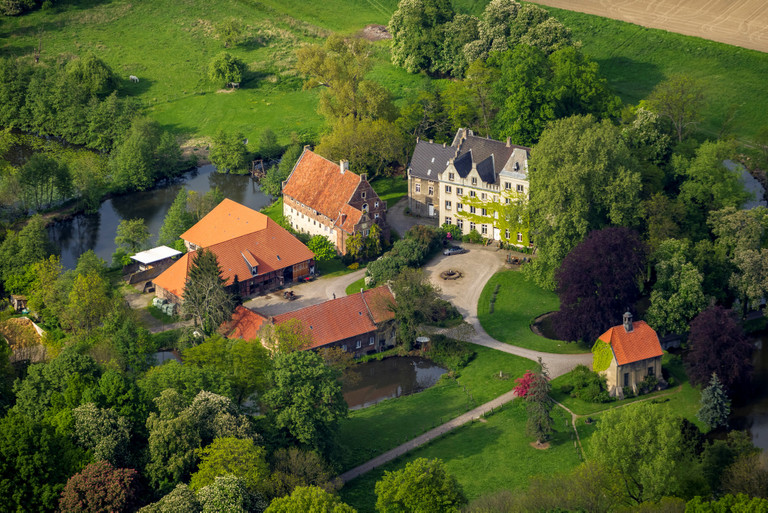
736,22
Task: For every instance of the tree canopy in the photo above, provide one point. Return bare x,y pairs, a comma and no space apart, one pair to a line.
205,297
423,485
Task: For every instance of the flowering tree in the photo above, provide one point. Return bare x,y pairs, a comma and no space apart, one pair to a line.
100,487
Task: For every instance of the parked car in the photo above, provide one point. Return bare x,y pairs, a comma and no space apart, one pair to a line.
454,250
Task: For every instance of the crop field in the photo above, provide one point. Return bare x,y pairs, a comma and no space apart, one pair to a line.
735,22
169,43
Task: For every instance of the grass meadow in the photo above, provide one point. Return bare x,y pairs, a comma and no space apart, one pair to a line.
485,456
518,303
169,43
371,431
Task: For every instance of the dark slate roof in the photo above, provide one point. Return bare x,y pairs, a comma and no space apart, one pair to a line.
429,159
486,171
482,148
463,164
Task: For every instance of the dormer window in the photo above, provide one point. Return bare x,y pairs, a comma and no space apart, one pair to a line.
474,180
376,205
450,176
363,194
365,207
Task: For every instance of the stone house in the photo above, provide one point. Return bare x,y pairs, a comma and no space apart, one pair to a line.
255,254
627,354
321,197
471,184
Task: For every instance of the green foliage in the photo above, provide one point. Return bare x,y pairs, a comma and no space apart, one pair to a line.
418,32
293,468
230,32
641,445
423,485
602,356
89,301
715,405
228,152
44,180
309,498
229,493
102,432
180,499
740,503
177,220
322,247
305,400
449,353
269,148
144,154
538,406
232,456
132,235
588,385
679,99
584,176
95,75
272,183
205,297
186,380
226,68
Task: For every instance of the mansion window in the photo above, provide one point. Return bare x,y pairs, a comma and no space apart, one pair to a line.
359,344
506,201
448,220
447,205
519,237
483,212
482,196
418,187
471,194
507,185
471,226
484,229
450,176
474,180
506,234
459,206
650,371
459,191
520,188
460,223
472,209
371,340
431,190
448,189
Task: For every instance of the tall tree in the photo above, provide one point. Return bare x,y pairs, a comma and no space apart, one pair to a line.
93,74
309,498
145,153
205,297
232,456
225,68
423,485
228,152
89,302
717,344
715,405
44,180
177,220
418,32
294,467
538,405
584,179
229,493
103,432
640,445
597,281
132,235
101,487
680,99
677,295
305,400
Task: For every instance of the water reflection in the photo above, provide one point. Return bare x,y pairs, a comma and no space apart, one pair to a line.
97,231
371,382
754,416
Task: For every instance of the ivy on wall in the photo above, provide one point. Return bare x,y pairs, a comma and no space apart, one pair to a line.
602,356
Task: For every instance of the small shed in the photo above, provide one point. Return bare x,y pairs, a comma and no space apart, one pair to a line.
161,256
18,303
627,354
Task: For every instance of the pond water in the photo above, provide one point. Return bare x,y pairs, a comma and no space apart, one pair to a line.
754,416
368,383
97,231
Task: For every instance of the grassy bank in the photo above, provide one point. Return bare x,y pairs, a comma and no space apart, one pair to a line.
396,421
518,303
485,456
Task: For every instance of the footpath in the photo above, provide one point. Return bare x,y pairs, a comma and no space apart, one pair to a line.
428,436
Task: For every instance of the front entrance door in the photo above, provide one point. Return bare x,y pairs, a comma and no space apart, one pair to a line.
431,208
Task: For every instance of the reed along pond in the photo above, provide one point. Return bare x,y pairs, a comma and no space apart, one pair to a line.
97,231
371,382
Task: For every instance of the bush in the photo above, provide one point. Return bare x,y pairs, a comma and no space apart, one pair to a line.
649,384
454,230
449,353
589,386
473,236
628,392
566,389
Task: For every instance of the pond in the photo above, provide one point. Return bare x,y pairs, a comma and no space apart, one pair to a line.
97,231
371,382
754,416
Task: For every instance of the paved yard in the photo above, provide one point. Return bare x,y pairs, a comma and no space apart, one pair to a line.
401,223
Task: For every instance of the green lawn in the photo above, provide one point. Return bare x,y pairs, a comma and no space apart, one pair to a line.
355,286
396,421
391,189
275,210
518,303
484,456
634,59
682,398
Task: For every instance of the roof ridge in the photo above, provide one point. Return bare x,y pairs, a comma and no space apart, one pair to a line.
367,308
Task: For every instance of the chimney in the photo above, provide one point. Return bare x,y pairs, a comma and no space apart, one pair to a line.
363,177
417,139
431,141
509,142
444,145
628,322
344,166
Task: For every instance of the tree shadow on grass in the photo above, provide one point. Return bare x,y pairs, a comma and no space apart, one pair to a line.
633,80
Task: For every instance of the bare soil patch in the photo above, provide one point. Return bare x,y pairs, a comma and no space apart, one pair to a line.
735,22
541,447
375,33
542,326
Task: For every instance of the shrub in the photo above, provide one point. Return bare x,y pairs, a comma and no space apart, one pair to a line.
449,353
473,236
566,389
524,384
628,392
589,386
649,384
454,230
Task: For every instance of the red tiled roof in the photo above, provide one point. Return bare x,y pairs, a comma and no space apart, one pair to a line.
319,184
344,317
226,221
639,344
245,324
272,247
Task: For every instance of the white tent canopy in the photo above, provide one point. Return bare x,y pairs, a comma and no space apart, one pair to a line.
153,255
